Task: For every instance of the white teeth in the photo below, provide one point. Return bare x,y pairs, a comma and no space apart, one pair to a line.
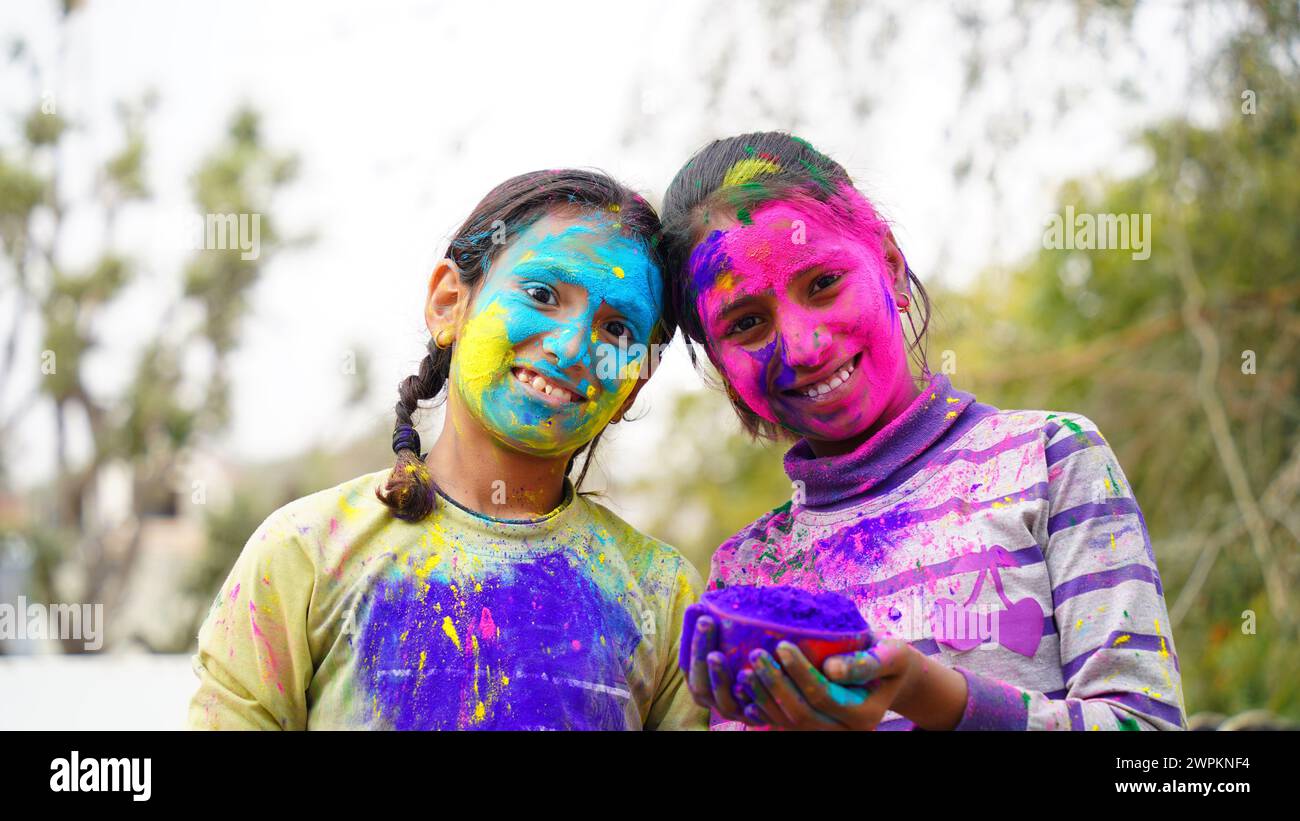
839,378
541,385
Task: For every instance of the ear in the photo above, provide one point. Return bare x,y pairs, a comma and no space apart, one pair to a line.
448,298
895,263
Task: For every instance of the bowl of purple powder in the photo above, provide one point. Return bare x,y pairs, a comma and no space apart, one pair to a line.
820,624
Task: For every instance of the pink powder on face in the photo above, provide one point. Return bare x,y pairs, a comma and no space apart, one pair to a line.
804,338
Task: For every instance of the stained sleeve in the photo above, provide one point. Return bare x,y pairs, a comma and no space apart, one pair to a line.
673,707
253,662
1118,660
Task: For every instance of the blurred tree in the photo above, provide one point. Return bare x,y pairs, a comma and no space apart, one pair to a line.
78,554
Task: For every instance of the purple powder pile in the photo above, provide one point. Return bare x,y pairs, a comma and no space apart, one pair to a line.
790,607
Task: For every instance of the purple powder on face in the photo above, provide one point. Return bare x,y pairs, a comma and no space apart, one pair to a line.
790,607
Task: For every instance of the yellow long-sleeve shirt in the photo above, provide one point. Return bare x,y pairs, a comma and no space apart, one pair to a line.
338,615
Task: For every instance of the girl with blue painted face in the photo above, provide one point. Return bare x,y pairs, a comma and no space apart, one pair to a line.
472,587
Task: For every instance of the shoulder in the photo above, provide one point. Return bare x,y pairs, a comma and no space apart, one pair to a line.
1060,431
354,496
309,519
1081,468
645,555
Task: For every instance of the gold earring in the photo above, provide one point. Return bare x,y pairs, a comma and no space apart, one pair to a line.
444,338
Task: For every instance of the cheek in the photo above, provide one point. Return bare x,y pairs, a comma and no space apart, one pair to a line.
483,353
747,373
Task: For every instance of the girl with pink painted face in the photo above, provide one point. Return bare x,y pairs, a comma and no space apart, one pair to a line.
999,555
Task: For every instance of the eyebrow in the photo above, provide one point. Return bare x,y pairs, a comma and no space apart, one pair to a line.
826,259
741,302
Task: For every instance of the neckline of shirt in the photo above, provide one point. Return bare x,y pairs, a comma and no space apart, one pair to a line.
512,537
831,481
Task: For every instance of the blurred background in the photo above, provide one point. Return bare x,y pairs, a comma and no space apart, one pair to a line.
159,398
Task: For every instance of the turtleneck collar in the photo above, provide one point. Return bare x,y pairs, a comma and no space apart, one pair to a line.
833,480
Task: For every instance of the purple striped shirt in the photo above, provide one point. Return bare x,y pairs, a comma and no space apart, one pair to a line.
1006,544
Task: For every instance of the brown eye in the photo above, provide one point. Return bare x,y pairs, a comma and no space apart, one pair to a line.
542,294
823,282
745,323
616,329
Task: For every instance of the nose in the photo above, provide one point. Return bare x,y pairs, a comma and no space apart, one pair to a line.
805,346
568,343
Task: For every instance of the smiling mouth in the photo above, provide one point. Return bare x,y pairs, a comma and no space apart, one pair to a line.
546,390
830,386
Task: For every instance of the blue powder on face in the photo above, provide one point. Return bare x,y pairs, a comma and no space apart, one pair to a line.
790,607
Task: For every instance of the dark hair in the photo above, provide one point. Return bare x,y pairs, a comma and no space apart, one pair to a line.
772,165
507,210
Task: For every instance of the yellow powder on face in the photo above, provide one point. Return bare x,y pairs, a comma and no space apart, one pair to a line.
748,169
618,272
484,353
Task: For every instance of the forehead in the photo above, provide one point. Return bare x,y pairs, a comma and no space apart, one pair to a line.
778,240
574,242
587,248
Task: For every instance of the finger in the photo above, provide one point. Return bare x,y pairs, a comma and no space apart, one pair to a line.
811,684
702,643
743,697
755,716
754,711
781,689
852,668
721,687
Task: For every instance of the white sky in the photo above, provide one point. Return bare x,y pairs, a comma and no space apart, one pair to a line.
405,114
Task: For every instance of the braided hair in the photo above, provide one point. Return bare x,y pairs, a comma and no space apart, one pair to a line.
512,207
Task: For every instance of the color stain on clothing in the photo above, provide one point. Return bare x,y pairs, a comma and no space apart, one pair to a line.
540,648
